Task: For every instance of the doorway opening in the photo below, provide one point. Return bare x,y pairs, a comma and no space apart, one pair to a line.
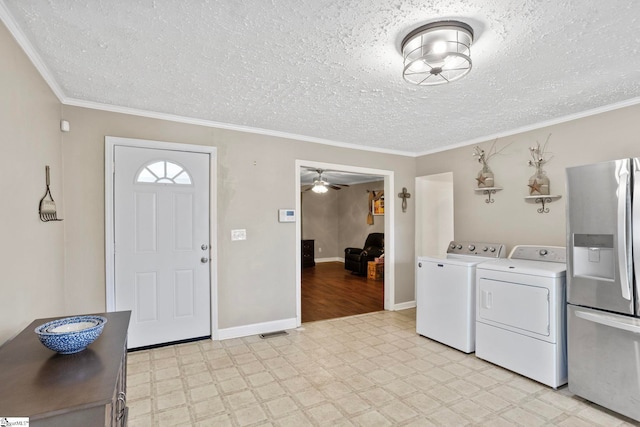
329,290
434,213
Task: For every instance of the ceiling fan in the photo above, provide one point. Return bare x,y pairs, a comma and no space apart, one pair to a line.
320,185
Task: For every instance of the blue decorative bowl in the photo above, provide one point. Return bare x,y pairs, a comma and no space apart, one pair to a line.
71,334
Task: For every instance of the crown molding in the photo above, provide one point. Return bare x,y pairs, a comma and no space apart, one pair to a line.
46,74
25,44
535,126
228,126
28,49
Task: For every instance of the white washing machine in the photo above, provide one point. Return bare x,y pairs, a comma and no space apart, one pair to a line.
520,319
445,293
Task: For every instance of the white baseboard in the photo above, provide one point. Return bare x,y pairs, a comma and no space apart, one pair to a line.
257,328
404,305
334,259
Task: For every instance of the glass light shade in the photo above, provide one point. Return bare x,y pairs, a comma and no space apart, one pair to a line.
437,53
319,187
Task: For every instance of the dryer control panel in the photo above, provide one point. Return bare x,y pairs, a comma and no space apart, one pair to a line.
539,253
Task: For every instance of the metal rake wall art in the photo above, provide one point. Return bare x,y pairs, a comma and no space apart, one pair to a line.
47,206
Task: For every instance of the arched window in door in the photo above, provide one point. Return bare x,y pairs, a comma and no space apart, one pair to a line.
163,172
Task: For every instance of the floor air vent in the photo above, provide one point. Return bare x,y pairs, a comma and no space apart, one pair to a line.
273,334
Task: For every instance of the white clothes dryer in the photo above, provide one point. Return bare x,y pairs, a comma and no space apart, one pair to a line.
520,316
445,293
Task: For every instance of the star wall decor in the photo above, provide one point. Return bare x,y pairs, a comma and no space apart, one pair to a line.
534,187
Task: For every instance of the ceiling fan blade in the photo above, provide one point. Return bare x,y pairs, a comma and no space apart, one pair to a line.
335,187
341,185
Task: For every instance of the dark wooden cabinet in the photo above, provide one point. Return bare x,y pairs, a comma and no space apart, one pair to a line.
82,389
308,256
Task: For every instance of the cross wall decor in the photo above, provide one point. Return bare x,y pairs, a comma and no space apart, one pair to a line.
404,196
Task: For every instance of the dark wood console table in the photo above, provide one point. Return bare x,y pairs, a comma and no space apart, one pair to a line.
82,389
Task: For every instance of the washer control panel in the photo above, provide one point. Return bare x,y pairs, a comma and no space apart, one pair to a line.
488,250
539,253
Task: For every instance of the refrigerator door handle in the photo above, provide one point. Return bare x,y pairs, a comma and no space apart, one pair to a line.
635,217
603,319
623,180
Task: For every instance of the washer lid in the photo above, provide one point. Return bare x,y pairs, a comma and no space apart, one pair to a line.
478,249
449,259
531,268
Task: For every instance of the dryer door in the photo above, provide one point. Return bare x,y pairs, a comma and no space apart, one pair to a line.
517,307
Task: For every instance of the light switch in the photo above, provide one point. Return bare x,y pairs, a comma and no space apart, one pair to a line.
239,234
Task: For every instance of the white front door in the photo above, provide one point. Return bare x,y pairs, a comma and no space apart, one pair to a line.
161,228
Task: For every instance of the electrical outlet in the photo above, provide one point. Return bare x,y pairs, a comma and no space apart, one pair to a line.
239,234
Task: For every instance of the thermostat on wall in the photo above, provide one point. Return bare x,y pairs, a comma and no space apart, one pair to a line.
287,215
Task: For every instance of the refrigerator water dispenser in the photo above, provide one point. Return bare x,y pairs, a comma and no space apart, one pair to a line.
593,256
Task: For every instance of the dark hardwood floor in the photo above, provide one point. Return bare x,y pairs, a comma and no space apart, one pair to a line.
330,291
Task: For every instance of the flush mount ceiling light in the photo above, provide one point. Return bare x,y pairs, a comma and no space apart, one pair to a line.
437,53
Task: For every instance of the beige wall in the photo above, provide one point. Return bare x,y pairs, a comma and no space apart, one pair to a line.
256,277
511,220
31,253
83,151
354,206
320,222
338,219
59,268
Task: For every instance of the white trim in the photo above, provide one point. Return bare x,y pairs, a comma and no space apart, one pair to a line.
31,53
389,228
256,328
260,131
46,74
37,61
534,126
110,142
404,305
334,259
288,135
219,125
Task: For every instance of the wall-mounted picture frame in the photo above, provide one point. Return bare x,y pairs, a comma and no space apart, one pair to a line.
377,206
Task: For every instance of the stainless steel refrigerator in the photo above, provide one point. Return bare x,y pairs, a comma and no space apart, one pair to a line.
603,249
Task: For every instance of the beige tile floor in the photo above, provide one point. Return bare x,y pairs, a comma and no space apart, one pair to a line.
366,370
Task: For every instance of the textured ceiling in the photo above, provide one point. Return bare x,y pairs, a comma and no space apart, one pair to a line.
308,175
330,70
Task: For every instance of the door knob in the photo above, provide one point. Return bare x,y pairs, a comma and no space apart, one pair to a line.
204,247
204,260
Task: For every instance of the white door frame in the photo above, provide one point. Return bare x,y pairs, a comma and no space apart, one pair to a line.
389,229
109,150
